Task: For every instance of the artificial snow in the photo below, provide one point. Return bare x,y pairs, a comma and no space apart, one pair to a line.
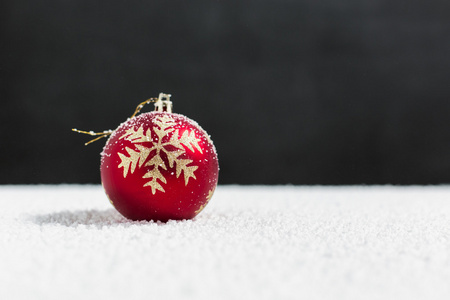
67,242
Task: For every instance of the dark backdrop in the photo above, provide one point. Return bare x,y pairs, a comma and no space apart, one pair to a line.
302,92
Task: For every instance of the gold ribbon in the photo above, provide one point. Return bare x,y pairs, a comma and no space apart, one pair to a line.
106,133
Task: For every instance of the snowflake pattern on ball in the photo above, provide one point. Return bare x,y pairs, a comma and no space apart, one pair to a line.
138,157
210,194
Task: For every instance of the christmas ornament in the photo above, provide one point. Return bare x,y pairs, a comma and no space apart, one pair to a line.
158,165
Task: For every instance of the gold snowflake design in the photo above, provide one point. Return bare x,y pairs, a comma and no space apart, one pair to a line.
138,157
210,194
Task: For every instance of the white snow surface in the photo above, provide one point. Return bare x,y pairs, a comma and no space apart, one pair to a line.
253,242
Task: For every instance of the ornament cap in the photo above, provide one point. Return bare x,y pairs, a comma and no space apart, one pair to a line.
163,104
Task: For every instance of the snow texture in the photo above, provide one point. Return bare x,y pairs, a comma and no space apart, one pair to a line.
67,242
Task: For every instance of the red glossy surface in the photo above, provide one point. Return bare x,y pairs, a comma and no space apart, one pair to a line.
128,193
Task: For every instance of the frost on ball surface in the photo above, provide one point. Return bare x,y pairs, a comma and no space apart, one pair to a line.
159,166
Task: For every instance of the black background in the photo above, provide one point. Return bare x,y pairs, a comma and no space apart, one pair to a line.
301,92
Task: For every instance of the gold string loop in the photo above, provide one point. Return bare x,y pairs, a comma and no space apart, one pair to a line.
107,133
141,105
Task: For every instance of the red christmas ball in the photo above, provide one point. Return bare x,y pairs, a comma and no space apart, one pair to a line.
159,166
